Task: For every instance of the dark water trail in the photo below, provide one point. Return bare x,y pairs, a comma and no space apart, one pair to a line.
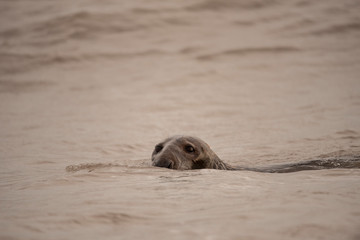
330,163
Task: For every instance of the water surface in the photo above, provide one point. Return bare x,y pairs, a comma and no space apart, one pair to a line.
99,83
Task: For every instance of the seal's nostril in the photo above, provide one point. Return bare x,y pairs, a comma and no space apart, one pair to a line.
170,165
164,163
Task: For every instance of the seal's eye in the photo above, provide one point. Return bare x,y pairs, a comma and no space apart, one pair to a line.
158,148
189,149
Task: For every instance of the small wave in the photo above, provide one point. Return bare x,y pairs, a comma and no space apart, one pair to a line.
116,218
79,25
298,25
249,51
343,154
215,5
348,134
21,62
338,29
189,50
90,166
7,86
83,23
142,10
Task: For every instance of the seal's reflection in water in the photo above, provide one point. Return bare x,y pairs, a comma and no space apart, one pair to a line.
186,153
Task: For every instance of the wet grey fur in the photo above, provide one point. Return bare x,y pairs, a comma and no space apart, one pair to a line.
186,153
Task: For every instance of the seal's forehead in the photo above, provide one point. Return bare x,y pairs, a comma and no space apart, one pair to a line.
180,139
196,141
188,139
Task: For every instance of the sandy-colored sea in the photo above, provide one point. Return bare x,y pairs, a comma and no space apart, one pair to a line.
88,87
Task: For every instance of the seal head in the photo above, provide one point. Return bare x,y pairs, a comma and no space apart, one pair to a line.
185,153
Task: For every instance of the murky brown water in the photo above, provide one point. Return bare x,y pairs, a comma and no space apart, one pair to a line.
99,83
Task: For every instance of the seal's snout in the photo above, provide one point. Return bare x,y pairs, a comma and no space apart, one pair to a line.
164,163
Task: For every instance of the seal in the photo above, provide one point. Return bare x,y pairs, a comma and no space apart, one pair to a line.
186,153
